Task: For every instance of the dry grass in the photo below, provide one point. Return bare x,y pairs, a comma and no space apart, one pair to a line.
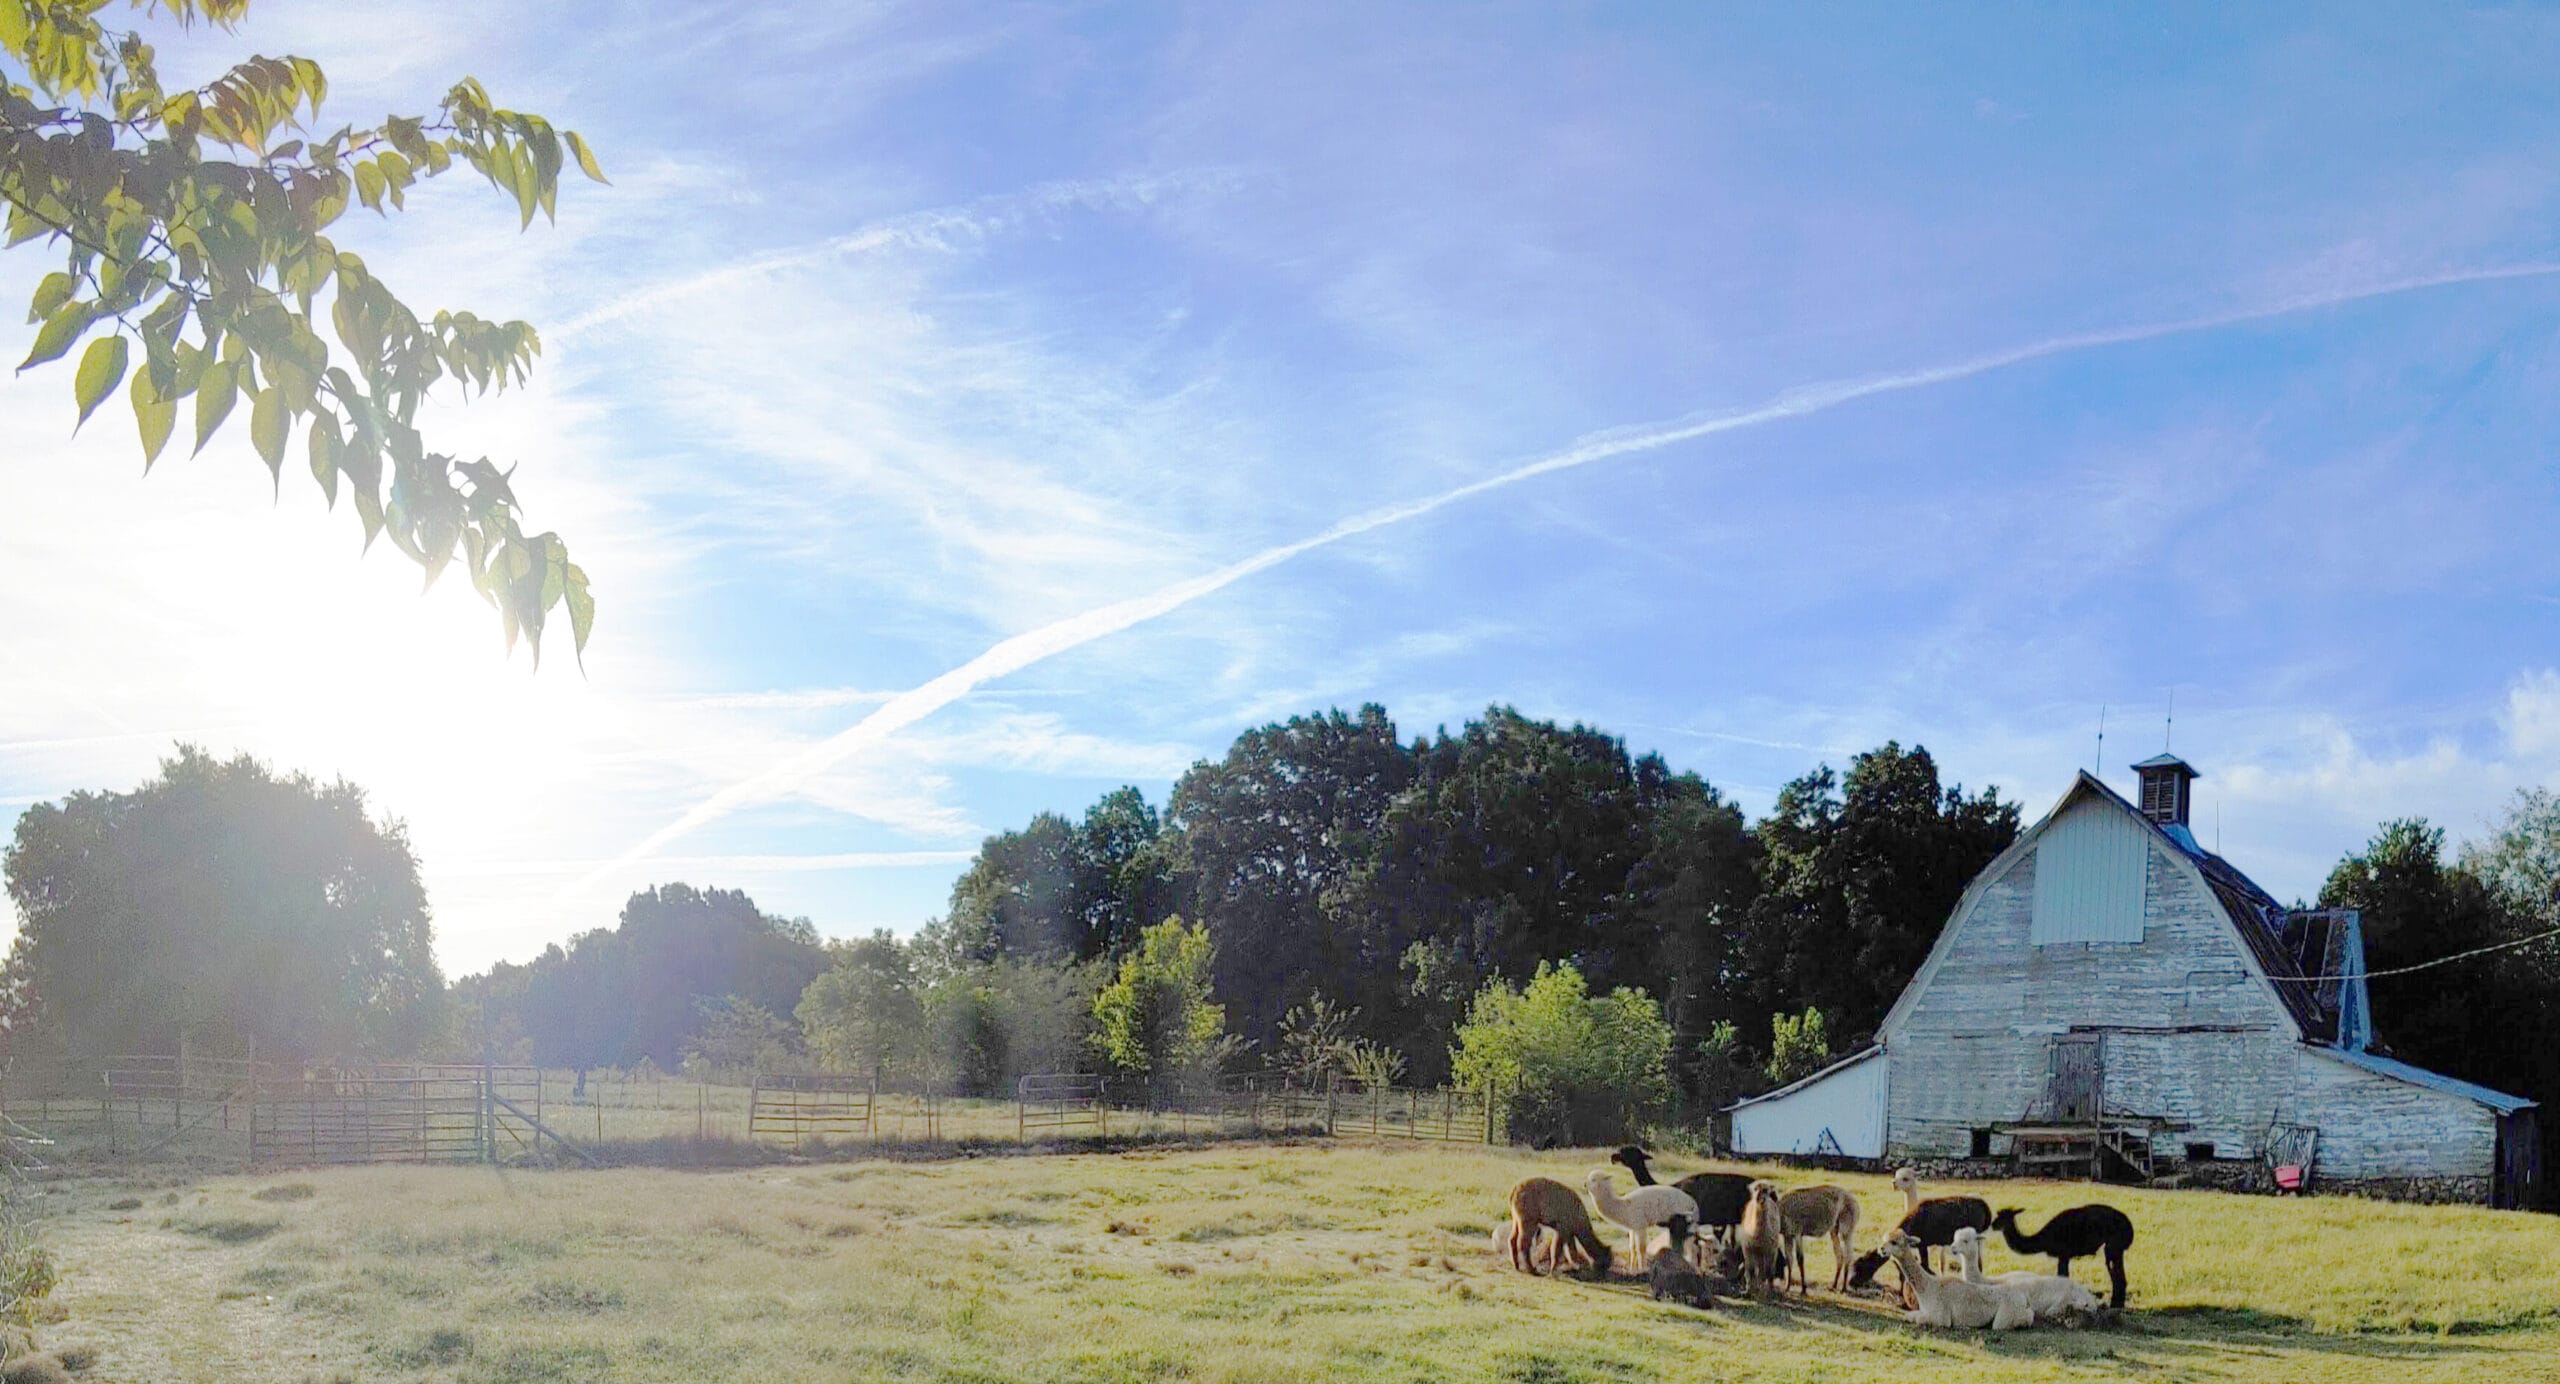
1228,1263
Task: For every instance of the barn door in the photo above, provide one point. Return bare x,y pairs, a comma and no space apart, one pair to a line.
2076,1080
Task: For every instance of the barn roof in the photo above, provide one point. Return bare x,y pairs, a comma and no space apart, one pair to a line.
2296,949
2393,1067
1800,1083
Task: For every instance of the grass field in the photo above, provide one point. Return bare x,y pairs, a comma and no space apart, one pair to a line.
1231,1262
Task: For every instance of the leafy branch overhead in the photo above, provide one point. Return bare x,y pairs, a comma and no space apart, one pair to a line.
193,227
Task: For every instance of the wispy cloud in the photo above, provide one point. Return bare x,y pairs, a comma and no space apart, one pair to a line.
1024,650
940,228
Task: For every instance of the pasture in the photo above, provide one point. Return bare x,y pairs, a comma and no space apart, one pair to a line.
1222,1263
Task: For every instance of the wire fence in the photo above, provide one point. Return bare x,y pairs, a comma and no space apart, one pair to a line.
235,1112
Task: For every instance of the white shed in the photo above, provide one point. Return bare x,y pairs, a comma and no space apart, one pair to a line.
1838,1110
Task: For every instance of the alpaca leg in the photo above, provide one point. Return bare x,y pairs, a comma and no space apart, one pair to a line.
2115,1279
2064,1261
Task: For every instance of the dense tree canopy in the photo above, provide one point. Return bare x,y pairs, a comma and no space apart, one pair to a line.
1860,872
192,226
216,905
615,996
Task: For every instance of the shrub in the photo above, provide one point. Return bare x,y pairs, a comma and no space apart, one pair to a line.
1799,1046
1155,1018
1587,1070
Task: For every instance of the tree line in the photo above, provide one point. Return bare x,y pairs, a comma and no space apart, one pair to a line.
1515,900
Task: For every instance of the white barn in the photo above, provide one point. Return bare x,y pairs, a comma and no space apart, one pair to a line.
2107,993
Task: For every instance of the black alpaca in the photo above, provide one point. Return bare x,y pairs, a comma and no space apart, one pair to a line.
1931,1224
1720,1196
2076,1234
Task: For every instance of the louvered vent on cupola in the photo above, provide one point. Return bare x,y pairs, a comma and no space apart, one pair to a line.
2167,788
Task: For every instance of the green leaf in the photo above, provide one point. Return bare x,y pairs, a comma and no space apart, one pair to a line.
582,610
586,158
51,295
101,370
154,414
324,456
268,422
215,393
57,334
369,185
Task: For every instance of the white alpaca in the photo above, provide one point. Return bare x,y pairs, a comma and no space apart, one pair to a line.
1952,1302
1639,1211
2049,1297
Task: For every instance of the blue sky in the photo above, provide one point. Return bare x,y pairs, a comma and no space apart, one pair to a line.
1936,374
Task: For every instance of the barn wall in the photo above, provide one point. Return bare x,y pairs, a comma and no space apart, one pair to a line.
2373,1126
1850,1103
2190,1032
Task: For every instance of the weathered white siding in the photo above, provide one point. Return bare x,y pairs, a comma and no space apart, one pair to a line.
2091,876
2372,1125
2189,1032
1849,1103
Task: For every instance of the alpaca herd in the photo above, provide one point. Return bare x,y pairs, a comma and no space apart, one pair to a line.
1732,1235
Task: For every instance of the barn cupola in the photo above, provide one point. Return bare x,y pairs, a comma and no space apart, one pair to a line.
2167,788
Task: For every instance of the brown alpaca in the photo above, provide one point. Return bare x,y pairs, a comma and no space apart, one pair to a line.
1763,1240
1827,1210
1542,1203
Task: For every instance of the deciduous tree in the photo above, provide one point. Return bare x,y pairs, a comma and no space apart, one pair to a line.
216,905
193,229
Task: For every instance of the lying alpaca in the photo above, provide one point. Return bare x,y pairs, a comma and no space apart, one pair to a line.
1826,1210
1720,1196
1762,1238
1671,1272
2075,1234
1952,1302
2048,1298
1542,1203
1639,1211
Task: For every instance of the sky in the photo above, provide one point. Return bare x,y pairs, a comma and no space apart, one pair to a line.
964,410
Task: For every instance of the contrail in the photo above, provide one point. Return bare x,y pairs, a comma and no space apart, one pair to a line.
1023,650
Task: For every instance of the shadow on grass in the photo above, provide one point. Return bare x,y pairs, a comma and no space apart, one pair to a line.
2181,1335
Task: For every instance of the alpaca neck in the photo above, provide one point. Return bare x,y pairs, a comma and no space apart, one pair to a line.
1643,1172
2019,1244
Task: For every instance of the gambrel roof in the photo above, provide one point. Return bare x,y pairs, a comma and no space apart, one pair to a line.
2291,950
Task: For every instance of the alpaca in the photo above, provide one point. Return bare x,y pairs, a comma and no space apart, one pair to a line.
1827,1210
1720,1196
1935,1220
1763,1240
1542,1203
1639,1211
2074,1234
1952,1302
1672,1275
2048,1297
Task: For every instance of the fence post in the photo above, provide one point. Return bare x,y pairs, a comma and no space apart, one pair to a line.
538,1122
1328,1107
253,1104
1488,1110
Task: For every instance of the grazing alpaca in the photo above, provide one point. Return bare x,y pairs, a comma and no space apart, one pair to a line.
1639,1211
1952,1302
1935,1220
1720,1196
2076,1234
2049,1298
1672,1275
1763,1240
1827,1210
1542,1203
